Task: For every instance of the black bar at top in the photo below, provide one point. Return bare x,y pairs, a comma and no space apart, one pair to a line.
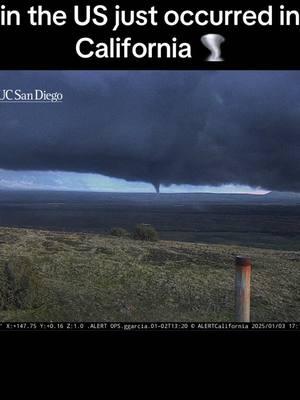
245,47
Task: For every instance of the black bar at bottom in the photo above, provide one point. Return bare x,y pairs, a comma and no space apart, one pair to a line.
149,326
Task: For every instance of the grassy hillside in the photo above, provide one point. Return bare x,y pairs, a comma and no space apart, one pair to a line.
62,276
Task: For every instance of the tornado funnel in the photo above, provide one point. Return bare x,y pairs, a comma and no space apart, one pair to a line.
213,42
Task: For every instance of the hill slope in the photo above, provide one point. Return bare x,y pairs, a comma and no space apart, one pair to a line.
63,276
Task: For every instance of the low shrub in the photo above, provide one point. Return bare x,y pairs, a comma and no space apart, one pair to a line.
145,232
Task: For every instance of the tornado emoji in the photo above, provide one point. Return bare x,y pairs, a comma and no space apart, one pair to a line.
213,42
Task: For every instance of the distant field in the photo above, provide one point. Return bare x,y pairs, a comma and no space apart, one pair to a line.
271,222
74,276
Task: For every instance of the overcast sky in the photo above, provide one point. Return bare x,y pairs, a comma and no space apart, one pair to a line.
127,131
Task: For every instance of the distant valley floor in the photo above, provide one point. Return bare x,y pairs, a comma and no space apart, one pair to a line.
271,221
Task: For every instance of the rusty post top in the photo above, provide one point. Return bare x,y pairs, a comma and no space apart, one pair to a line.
241,261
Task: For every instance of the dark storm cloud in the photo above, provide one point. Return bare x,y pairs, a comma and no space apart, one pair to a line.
205,128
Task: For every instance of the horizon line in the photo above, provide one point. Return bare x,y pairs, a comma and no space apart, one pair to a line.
130,192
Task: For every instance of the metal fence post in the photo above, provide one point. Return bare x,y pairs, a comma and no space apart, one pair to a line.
242,288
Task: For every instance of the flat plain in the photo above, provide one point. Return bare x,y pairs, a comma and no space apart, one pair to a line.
59,262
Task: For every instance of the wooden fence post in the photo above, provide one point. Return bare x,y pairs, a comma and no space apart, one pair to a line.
242,288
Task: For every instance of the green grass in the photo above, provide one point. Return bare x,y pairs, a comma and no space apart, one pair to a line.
62,276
